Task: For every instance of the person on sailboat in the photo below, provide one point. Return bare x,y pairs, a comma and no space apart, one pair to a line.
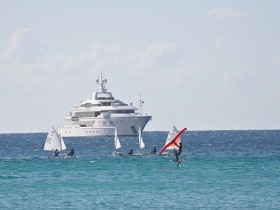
154,151
56,153
71,153
130,152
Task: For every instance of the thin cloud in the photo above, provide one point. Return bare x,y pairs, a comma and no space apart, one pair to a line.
160,54
15,40
161,57
165,59
24,46
226,13
158,49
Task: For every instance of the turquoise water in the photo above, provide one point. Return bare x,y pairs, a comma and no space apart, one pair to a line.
220,170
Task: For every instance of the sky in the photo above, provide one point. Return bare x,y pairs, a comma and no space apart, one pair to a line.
204,65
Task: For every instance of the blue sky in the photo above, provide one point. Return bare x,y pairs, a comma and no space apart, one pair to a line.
204,65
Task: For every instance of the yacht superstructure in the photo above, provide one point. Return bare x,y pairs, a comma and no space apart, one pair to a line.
101,114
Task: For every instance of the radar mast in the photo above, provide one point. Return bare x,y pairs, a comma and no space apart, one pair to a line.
102,81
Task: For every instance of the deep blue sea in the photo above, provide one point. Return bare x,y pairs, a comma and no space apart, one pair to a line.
220,170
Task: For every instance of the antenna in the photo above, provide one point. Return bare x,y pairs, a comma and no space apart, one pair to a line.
102,83
140,105
129,95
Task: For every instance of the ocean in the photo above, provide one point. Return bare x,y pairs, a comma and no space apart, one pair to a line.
220,170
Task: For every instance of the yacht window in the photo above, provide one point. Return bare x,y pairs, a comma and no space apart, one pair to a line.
122,111
87,105
85,114
104,96
106,104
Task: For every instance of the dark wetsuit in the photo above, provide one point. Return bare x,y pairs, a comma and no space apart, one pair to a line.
154,151
179,152
130,152
71,153
56,153
180,148
176,154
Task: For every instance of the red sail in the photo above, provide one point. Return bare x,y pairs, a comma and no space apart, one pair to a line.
173,141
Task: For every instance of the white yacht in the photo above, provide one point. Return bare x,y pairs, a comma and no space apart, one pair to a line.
100,115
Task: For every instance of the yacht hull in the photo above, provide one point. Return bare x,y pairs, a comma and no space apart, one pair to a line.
126,126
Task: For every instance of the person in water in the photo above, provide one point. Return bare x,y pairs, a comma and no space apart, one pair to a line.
71,153
154,151
131,151
56,153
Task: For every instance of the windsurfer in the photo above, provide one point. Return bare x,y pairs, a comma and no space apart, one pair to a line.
180,148
176,154
56,153
179,152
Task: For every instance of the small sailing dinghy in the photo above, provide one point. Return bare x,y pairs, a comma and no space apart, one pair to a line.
141,142
117,141
118,145
54,142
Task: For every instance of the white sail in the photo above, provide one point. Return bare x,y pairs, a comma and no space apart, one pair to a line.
63,146
54,141
170,136
141,142
117,141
